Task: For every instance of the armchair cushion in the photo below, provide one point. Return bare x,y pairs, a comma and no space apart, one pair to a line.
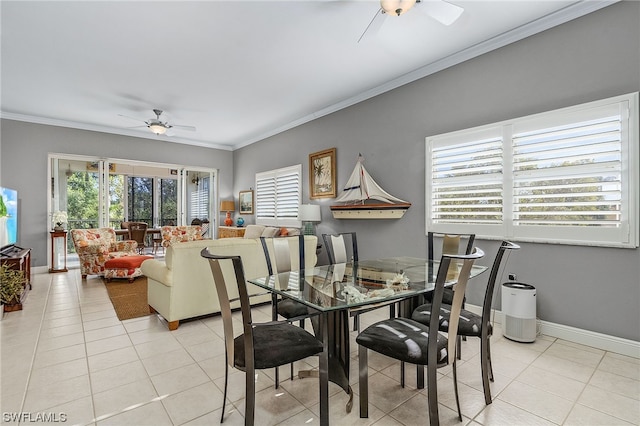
180,234
95,246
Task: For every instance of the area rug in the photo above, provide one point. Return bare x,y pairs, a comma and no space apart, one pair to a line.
129,299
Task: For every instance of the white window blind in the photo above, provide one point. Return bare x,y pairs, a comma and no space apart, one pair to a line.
200,201
278,196
467,182
566,176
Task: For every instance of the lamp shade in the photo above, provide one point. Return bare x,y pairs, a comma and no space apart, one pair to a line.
227,206
309,213
158,129
396,7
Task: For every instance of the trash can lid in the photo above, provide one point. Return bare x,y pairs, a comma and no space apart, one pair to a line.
521,286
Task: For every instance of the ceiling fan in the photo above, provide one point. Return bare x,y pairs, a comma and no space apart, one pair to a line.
442,11
159,127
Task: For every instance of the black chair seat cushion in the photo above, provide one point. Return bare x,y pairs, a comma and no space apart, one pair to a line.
470,324
276,344
403,339
447,296
290,308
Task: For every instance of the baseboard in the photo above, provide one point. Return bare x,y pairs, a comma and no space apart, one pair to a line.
39,269
577,335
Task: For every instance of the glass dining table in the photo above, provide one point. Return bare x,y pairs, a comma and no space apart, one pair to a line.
334,292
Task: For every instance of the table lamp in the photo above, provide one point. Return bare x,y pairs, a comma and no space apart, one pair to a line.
309,214
227,206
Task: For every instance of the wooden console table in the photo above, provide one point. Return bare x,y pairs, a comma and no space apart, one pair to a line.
230,232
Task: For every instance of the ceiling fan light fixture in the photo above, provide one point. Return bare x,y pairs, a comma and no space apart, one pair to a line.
158,128
396,7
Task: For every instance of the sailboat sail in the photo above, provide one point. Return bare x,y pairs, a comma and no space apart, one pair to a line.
362,187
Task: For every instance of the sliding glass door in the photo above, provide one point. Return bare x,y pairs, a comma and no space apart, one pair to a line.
106,192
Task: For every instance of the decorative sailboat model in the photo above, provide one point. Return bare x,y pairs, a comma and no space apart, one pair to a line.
363,198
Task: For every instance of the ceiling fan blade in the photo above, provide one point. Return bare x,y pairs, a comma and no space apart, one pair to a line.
442,11
189,128
132,118
374,26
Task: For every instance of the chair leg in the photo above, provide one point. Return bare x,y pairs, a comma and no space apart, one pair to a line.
485,368
274,317
432,395
250,397
489,358
363,377
356,322
459,347
455,388
226,377
420,376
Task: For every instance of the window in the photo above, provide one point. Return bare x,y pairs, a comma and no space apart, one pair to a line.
278,196
567,176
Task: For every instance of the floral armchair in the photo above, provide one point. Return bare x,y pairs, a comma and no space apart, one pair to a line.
180,234
96,246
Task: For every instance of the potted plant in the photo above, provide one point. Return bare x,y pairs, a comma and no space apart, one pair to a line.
12,282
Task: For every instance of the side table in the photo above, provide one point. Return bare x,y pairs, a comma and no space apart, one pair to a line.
58,251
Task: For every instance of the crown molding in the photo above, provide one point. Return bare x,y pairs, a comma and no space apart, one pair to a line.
112,130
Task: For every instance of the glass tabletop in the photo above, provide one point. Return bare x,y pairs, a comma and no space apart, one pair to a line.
351,285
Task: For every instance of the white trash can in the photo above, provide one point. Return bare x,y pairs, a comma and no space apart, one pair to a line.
519,312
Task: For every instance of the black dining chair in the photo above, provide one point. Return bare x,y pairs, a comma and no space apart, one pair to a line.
277,252
338,251
472,324
450,243
260,346
412,342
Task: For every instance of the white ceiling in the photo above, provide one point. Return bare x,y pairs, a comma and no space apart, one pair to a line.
239,71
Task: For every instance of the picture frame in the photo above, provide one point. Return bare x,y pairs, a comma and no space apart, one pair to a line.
245,202
322,174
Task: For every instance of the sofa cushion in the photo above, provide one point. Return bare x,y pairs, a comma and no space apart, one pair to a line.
254,231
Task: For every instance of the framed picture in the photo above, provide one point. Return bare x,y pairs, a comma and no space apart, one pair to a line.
246,202
322,174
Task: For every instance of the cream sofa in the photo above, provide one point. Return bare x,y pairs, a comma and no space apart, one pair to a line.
182,286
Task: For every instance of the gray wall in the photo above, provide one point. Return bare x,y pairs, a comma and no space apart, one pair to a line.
23,162
594,57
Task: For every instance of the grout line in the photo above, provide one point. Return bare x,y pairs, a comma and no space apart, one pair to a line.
35,346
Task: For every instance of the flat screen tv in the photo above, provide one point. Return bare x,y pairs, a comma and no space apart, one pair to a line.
8,216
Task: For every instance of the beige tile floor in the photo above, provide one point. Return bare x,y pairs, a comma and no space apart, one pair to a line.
67,355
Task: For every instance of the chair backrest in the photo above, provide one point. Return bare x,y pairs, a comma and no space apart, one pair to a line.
460,287
451,244
179,234
94,236
138,232
229,269
277,252
337,249
491,284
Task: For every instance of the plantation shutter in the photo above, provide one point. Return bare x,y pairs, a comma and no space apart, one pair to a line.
278,196
466,182
569,174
